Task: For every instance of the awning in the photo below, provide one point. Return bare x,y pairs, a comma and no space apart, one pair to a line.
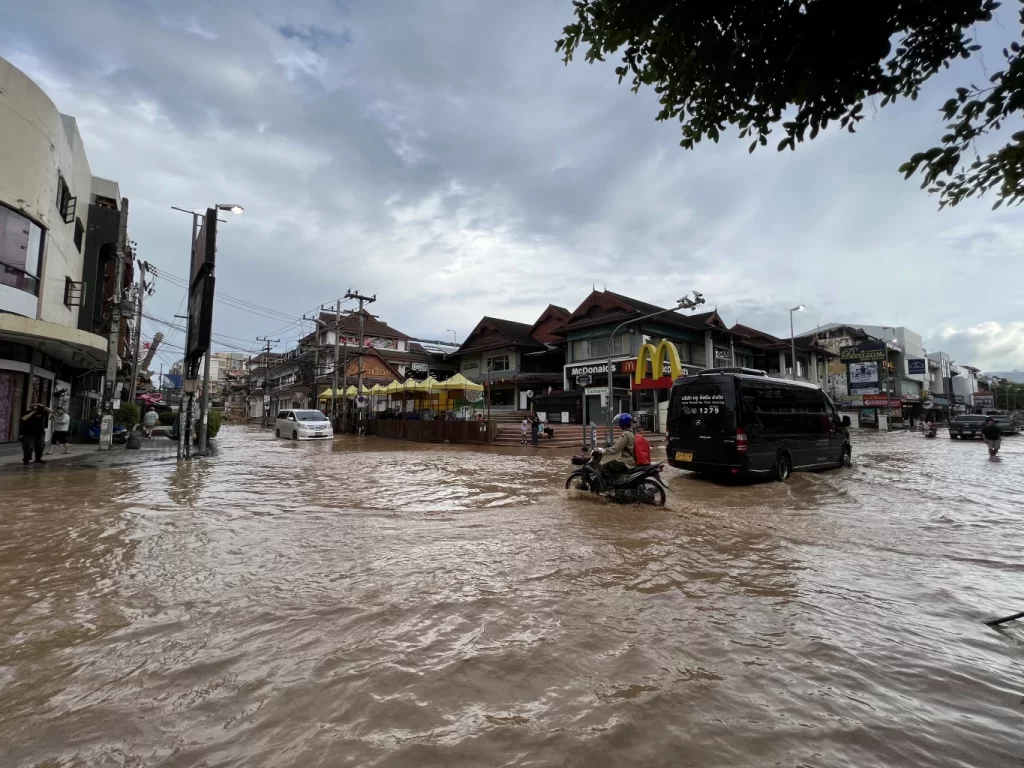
69,345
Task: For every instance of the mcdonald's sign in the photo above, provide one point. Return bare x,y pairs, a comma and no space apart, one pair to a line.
659,364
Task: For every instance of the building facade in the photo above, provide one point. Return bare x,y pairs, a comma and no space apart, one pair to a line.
51,348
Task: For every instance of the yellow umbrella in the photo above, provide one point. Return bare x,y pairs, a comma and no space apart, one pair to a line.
460,382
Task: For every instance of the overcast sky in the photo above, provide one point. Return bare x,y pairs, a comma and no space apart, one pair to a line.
440,155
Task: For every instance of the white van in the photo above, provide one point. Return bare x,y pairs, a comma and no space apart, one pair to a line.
303,425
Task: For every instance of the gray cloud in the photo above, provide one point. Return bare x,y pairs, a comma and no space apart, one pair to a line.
441,156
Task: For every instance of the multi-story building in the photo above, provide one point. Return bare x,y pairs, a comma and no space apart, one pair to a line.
54,307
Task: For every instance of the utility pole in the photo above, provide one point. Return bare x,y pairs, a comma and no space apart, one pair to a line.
337,343
143,266
266,374
313,399
362,316
113,341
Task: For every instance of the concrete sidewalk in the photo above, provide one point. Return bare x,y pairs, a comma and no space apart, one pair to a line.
89,454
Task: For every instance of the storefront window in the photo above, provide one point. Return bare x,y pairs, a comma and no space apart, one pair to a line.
503,397
12,397
21,250
700,358
683,348
498,363
591,349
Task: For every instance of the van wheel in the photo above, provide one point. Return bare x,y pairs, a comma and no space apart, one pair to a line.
783,469
277,432
847,459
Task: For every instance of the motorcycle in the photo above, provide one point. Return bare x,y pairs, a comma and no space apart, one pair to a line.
119,435
931,430
639,485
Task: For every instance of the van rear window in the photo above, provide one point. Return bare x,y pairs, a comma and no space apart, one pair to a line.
702,403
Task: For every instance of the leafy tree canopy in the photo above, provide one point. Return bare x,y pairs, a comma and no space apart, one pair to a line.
715,63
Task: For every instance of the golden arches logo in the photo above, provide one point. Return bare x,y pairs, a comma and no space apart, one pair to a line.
657,357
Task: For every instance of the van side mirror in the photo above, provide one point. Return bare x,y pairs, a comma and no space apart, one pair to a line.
846,421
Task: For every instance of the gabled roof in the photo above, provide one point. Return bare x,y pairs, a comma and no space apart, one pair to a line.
372,326
495,333
552,318
605,308
755,338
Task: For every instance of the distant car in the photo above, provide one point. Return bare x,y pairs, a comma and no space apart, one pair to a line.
303,425
966,427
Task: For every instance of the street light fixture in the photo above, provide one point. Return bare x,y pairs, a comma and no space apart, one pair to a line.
684,303
232,207
792,337
455,339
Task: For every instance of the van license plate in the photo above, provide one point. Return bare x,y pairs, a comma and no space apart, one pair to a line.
318,434
680,456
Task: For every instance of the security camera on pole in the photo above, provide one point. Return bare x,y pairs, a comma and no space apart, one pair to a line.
684,303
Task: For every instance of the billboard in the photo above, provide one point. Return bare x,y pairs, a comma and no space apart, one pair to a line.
860,353
200,300
200,317
984,400
862,377
917,366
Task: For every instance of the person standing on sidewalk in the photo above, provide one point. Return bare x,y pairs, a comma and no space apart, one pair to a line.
61,428
534,430
523,428
33,433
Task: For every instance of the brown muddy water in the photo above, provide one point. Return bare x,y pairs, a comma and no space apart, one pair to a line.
376,603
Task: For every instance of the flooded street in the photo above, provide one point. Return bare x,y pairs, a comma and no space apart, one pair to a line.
377,603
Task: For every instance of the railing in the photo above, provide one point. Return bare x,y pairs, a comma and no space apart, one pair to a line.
434,431
15,277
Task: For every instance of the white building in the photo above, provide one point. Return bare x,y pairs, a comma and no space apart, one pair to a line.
46,187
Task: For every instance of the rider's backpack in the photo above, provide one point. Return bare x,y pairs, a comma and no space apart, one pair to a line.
641,450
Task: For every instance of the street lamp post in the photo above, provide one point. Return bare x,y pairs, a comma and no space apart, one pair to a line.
185,427
888,380
792,338
684,303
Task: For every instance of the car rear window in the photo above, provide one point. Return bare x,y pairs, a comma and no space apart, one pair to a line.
702,404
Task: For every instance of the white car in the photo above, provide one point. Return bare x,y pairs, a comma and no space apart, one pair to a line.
303,425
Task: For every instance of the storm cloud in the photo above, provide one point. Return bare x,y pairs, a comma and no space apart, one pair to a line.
441,156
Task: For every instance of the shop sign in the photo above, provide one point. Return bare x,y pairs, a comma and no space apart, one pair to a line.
881,401
583,380
584,370
596,391
867,416
862,352
984,401
916,366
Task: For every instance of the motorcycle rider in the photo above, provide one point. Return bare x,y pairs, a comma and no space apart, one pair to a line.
623,452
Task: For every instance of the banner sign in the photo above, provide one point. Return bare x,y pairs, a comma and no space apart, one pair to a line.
984,400
917,366
862,377
862,352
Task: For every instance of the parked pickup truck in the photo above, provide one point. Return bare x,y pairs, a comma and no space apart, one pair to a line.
1007,424
966,426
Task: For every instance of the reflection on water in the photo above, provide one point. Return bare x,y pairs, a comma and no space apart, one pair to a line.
380,603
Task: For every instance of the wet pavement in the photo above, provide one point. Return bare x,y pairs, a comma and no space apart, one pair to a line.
376,603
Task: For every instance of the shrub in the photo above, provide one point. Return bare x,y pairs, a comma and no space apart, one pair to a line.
212,424
127,416
167,418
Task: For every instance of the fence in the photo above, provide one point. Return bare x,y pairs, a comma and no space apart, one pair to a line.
434,431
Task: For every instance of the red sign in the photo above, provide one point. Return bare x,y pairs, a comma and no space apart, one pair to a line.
881,401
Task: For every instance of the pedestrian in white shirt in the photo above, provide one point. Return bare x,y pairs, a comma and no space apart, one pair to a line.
61,428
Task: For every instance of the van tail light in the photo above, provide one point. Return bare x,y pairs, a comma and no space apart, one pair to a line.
741,441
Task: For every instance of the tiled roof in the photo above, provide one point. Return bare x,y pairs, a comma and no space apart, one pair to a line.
371,325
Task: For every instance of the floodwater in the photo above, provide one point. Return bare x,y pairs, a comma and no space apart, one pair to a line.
375,603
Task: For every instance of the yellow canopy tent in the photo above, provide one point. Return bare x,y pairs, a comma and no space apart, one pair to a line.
394,387
458,382
378,389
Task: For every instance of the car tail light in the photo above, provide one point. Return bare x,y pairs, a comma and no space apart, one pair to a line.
741,441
